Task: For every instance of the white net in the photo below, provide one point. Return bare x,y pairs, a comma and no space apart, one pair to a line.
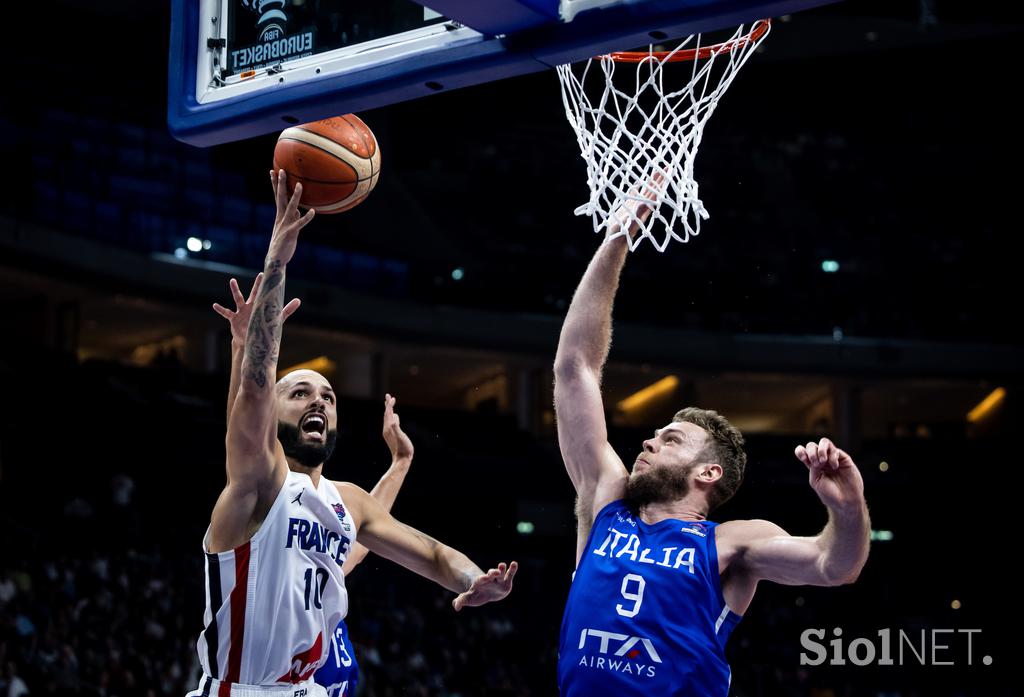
640,145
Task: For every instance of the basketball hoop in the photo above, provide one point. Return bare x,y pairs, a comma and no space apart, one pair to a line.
641,147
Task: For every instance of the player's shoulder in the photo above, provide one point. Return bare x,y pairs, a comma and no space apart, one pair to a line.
734,538
352,494
352,497
607,490
743,532
353,490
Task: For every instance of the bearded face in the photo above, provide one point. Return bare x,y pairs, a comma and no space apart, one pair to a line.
661,473
299,446
658,484
307,417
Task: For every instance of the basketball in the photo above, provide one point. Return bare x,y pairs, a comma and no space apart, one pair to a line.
337,160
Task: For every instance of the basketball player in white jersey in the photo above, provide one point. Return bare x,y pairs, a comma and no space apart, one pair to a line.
658,587
340,673
280,532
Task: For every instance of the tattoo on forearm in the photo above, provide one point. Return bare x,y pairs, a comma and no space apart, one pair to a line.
263,340
274,278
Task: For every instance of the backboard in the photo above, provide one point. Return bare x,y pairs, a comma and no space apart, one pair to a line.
241,68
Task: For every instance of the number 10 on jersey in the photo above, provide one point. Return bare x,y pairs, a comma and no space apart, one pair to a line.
315,587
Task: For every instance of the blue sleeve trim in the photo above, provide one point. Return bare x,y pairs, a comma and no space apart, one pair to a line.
716,577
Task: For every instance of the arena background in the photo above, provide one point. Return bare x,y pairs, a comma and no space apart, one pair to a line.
879,136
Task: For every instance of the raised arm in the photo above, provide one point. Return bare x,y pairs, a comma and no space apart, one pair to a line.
418,552
596,471
255,465
252,425
764,551
238,320
389,485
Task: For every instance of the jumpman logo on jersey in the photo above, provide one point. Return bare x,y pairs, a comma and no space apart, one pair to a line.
298,499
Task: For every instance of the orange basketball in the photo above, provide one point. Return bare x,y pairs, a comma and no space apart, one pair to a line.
337,160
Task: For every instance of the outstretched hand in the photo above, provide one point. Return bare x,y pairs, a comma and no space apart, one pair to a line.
833,475
636,209
488,588
289,222
239,318
398,443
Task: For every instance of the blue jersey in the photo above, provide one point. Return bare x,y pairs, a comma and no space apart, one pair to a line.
340,673
645,614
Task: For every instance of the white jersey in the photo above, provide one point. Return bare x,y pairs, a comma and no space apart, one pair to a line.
273,602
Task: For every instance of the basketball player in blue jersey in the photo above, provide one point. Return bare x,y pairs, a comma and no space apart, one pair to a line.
339,674
658,587
280,533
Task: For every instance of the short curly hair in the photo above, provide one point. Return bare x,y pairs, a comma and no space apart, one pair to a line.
725,447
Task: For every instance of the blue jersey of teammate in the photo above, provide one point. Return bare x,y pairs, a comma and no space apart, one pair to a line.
340,673
645,614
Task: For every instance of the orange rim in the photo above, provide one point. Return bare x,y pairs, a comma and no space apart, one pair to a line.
758,30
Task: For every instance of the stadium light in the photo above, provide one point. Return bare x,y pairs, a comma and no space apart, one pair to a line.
640,398
987,405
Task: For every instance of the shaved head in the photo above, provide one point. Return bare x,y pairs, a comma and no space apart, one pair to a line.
303,375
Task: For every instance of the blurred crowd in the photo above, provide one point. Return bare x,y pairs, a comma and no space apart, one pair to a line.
101,577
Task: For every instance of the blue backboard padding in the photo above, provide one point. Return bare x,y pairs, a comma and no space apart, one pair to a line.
537,48
181,68
493,18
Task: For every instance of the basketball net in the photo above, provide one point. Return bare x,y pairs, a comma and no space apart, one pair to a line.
640,145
